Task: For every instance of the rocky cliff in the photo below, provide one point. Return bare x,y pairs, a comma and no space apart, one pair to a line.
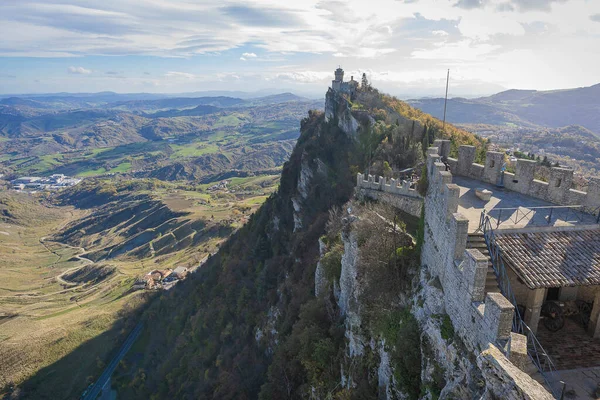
318,296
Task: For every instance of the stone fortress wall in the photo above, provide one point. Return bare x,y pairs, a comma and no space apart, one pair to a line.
483,321
557,190
396,193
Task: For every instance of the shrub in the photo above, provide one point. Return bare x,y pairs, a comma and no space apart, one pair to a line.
332,262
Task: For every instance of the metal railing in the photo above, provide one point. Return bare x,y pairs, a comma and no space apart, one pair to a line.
540,216
536,352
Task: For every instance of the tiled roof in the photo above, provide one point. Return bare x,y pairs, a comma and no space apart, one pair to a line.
553,258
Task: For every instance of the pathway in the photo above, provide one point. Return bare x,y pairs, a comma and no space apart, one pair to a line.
104,379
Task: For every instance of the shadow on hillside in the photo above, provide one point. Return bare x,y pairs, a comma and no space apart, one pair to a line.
68,377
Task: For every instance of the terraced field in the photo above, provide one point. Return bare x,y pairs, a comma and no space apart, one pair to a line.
68,271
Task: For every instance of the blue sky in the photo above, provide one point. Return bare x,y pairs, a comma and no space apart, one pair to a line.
405,46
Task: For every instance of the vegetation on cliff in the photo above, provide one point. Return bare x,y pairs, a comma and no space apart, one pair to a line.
248,324
222,325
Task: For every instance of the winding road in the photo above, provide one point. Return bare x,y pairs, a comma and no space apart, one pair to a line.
95,390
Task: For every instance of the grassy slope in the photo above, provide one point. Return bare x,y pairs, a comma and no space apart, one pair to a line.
45,323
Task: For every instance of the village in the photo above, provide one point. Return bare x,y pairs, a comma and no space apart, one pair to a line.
35,183
165,279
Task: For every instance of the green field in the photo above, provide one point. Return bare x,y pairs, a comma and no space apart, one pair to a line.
192,150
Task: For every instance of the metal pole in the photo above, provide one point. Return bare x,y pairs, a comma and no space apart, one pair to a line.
445,102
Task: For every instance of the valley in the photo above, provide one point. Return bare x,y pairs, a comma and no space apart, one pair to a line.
75,261
70,263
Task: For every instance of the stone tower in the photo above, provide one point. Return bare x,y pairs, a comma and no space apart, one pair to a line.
336,84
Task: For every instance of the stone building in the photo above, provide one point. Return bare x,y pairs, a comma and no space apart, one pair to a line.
518,269
340,86
526,248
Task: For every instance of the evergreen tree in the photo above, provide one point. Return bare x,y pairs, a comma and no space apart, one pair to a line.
364,84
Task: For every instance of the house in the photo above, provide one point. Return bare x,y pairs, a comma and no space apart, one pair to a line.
180,272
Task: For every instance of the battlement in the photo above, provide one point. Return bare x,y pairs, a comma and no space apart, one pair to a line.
397,193
395,186
557,190
479,318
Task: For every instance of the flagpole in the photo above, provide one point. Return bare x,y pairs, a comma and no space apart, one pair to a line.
446,101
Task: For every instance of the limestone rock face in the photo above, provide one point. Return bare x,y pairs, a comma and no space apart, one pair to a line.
348,301
308,169
337,106
461,377
320,279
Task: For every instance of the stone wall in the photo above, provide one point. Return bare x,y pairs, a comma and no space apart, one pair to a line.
481,320
503,380
394,192
557,190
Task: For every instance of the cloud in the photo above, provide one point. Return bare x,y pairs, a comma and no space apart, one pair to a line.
465,50
79,71
543,5
111,73
304,76
410,36
179,75
246,56
255,16
469,4
505,7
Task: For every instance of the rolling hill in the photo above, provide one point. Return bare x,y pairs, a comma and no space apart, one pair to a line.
553,109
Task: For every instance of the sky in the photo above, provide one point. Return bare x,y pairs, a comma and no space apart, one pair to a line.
404,46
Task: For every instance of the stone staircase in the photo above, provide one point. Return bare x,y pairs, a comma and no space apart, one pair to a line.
477,241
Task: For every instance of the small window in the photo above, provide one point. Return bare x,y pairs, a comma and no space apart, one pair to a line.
492,163
558,182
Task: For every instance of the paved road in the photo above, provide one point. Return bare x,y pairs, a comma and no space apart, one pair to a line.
110,368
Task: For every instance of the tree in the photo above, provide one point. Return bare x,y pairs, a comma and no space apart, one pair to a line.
387,170
364,84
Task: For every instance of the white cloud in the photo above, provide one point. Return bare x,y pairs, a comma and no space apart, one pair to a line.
179,75
79,71
384,35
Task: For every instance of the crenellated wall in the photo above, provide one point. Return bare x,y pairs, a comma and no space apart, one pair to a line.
483,321
479,319
557,190
395,192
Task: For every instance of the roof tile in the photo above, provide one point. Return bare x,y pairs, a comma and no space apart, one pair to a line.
553,258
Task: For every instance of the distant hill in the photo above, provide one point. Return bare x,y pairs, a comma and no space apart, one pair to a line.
191,112
176,103
553,109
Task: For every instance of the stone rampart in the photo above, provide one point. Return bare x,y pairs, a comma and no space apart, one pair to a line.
479,319
394,192
557,190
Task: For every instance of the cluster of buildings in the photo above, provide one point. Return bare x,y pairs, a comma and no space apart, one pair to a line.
161,278
219,186
53,182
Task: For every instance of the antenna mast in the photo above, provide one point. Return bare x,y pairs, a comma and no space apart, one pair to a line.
446,101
